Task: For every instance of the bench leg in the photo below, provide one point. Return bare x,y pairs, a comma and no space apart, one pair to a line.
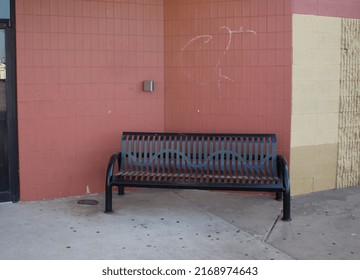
121,191
108,186
278,196
108,199
286,206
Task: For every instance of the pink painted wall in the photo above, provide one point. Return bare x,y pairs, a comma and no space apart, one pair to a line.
334,8
80,67
213,84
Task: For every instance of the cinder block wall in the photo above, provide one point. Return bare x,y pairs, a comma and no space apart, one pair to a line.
325,124
348,170
315,102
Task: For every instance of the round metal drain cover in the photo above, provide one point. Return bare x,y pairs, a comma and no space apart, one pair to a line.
88,202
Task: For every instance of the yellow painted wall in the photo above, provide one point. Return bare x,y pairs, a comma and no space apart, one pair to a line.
315,103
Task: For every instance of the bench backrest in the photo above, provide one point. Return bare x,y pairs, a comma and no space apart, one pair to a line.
224,154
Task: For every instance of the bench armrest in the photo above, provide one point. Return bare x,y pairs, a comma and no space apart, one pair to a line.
116,157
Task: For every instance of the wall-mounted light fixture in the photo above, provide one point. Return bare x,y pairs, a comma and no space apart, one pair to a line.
149,86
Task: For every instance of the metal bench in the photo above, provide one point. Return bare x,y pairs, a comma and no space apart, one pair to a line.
232,162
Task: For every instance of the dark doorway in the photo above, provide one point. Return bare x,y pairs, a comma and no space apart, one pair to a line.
9,182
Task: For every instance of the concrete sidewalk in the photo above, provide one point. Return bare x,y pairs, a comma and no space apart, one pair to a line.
184,224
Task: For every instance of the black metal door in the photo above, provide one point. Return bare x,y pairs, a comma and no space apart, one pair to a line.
9,177
4,163
4,156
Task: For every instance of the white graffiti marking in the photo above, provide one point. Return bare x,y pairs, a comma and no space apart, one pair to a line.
231,32
206,39
223,76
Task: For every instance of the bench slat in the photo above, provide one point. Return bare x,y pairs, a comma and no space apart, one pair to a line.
262,160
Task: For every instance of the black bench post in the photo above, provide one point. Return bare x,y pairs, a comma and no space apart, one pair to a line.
283,171
286,206
121,191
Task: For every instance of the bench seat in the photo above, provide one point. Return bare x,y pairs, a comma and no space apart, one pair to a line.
136,177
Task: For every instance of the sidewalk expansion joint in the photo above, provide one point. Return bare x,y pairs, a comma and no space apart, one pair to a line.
271,229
